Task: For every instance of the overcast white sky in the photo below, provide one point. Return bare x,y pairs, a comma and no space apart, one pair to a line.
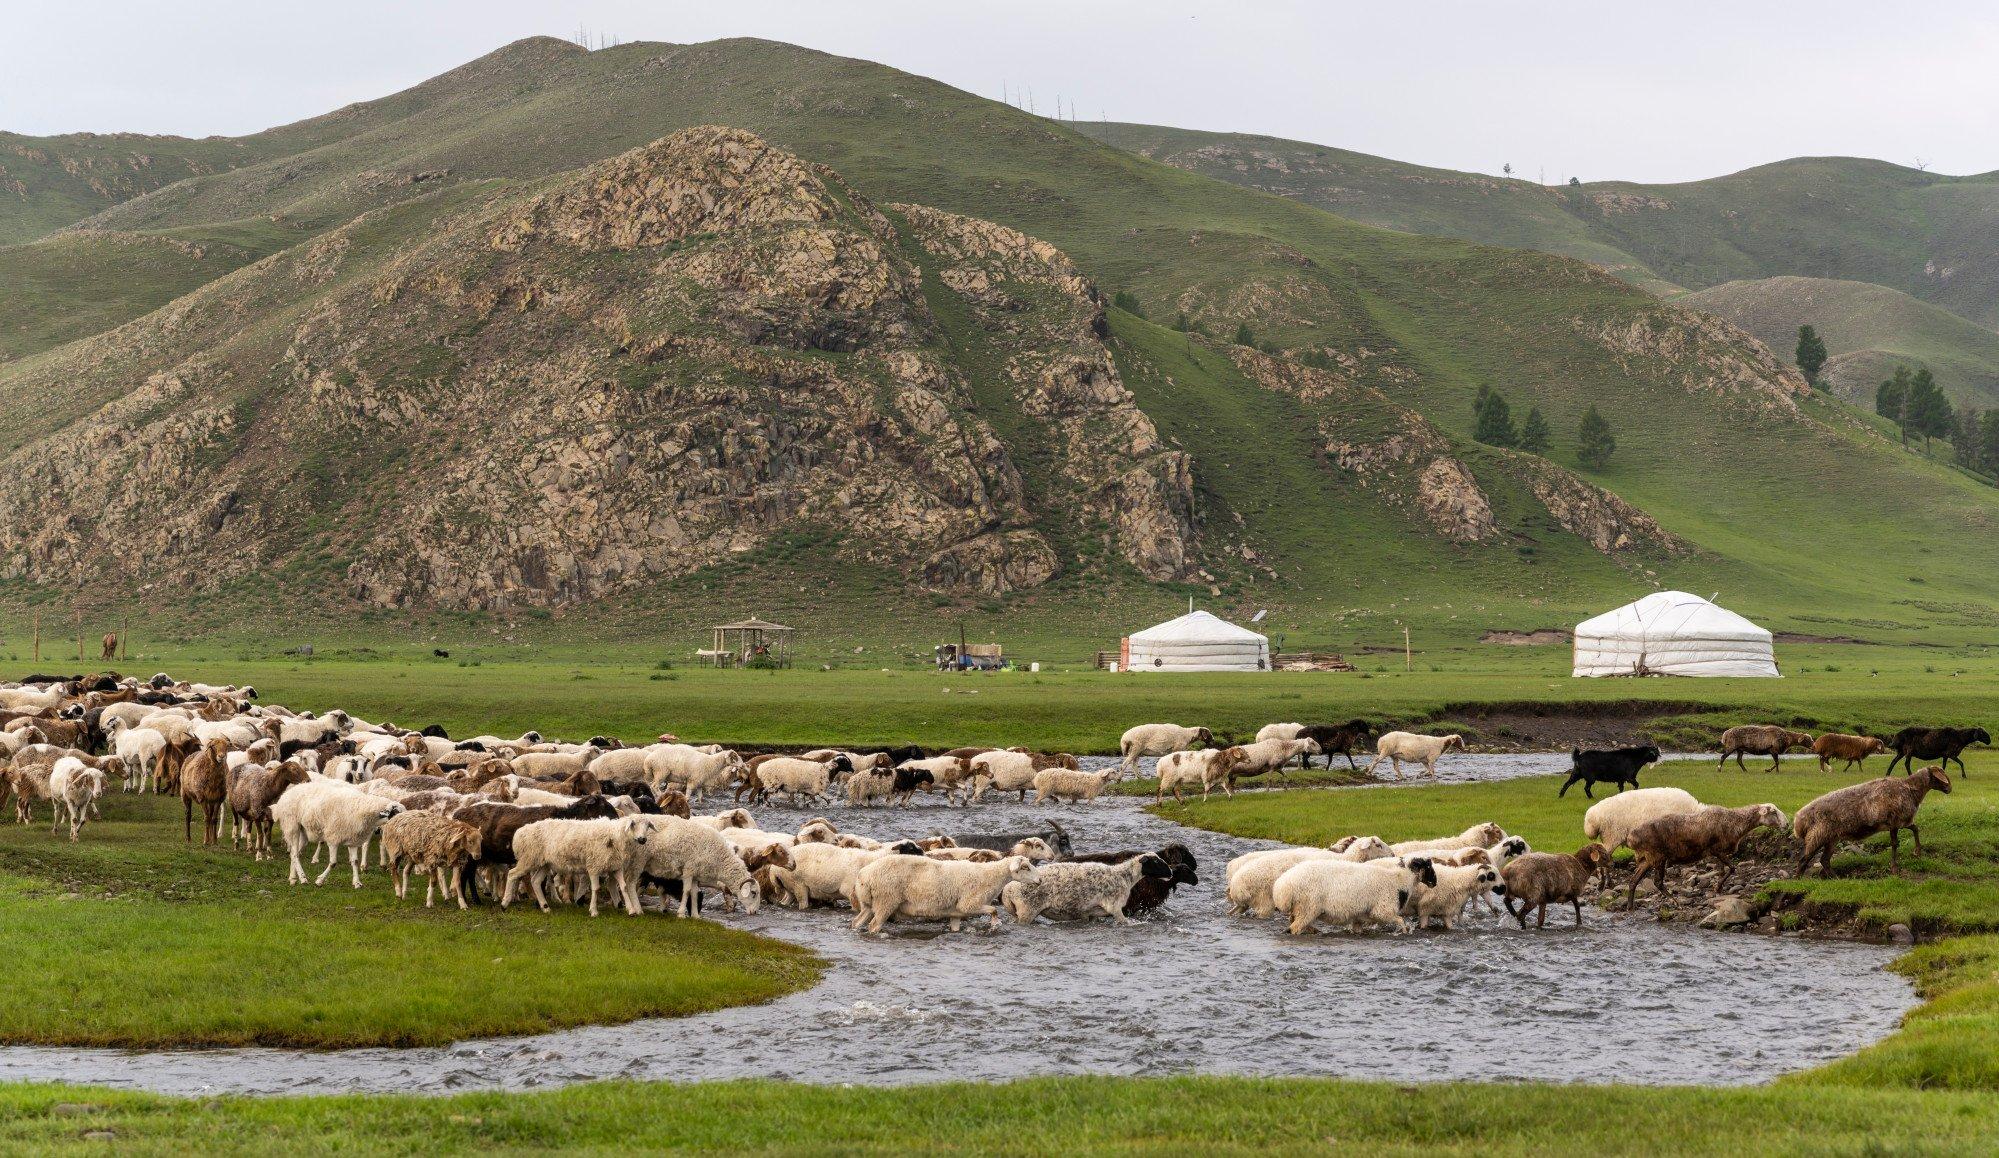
1658,92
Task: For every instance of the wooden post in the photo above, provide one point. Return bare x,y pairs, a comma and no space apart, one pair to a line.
79,637
38,636
1408,662
124,637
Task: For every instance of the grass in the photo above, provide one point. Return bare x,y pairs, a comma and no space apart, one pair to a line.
162,945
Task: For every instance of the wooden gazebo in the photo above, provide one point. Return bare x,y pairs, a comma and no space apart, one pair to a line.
738,643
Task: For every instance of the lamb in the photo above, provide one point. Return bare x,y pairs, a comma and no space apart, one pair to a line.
1251,876
1079,890
1372,892
1760,740
918,888
589,848
1477,836
1617,766
1611,822
1456,886
1150,892
691,770
1341,738
1861,810
1537,879
1945,744
430,843
1014,771
1074,787
800,779
1205,766
953,775
1691,837
1854,750
334,814
74,786
1157,740
1395,747
255,788
695,857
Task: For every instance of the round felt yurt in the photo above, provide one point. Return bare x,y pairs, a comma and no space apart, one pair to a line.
1196,641
1673,633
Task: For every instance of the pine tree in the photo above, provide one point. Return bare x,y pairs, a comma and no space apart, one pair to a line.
1928,411
1811,353
1988,441
1244,336
1891,400
1964,448
1534,432
1594,442
1493,420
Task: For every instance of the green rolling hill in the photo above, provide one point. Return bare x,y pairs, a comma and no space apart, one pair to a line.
1328,475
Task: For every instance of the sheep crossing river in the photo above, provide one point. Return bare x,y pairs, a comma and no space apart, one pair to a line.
1189,990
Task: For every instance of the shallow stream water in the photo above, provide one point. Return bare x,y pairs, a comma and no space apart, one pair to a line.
1188,991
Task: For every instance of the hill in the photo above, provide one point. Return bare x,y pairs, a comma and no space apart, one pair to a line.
1868,330
385,402
1932,236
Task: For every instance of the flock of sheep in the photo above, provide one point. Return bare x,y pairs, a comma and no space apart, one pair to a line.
570,822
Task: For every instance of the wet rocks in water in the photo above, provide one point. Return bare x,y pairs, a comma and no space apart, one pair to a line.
1729,913
1901,934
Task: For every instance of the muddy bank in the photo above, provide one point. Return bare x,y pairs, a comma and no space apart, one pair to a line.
1526,726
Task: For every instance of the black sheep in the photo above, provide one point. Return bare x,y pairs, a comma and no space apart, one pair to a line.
1151,891
1341,738
1619,766
1945,744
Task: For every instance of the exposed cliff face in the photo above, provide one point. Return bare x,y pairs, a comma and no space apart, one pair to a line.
638,372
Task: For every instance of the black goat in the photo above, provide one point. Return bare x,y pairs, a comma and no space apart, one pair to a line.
1945,744
908,782
1151,891
1341,738
1619,766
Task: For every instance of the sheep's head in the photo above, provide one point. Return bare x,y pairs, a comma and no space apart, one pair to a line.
1203,736
1454,741
904,848
1594,856
1650,752
1936,777
1513,846
737,818
1797,739
1769,816
817,832
1019,868
1034,848
1980,736
1485,835
638,829
1150,865
1488,879
748,894
1368,848
389,812
1425,870
115,765
932,843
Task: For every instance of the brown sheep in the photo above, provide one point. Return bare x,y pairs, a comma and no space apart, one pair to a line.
252,790
1861,810
673,802
430,843
204,779
1760,740
1692,837
1536,879
478,774
1852,749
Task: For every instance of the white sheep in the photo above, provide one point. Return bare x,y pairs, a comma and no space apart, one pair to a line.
1070,785
921,889
1456,886
870,788
691,770
827,872
549,765
1007,771
798,778
733,818
623,765
1483,835
698,857
333,814
1079,890
1269,756
592,849
1251,876
1611,821
1395,747
74,786
1157,740
1345,893
141,749
1279,732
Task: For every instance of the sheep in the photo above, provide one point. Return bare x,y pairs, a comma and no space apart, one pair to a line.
1349,893
827,872
1150,892
1279,732
1861,810
733,818
691,770
622,764
333,814
252,792
1341,738
204,779
800,779
1395,747
1617,766
1691,837
952,775
1053,833
1014,771
1079,890
867,788
1267,756
1157,740
1456,886
74,786
590,848
1074,787
1945,744
818,830
498,824
1205,766
694,856
430,843
1854,750
919,888
1611,822
907,783
1033,848
1537,879
1760,740
140,748
1251,876
1477,836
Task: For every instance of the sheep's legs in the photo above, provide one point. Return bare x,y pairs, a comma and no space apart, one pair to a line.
1576,901
1894,850
354,862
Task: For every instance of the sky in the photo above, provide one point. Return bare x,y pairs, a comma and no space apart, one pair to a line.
1656,93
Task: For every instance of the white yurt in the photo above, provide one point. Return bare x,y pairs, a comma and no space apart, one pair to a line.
1673,633
1197,641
